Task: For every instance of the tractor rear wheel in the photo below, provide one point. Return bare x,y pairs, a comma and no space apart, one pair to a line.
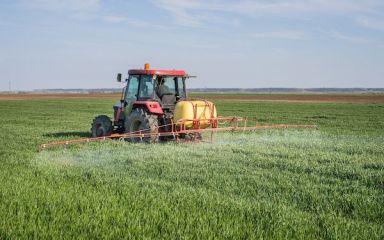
101,126
140,121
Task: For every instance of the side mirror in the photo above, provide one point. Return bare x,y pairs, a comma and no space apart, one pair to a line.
119,77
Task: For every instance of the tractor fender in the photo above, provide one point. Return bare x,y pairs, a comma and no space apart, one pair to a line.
152,106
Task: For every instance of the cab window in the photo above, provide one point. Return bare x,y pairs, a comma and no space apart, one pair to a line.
132,88
169,82
180,85
146,87
170,85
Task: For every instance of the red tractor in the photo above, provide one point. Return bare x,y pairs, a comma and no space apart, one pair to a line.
154,107
148,105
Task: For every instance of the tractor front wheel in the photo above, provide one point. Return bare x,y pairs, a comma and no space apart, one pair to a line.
140,121
101,126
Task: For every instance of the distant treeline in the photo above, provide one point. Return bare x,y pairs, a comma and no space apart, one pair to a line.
224,90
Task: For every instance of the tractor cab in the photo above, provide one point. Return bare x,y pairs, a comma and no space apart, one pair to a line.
165,89
154,91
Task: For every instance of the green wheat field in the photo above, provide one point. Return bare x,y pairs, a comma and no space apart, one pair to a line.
325,183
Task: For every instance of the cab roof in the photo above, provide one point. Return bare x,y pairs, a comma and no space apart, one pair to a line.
180,73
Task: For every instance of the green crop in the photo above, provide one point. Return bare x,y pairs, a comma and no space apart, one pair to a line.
325,183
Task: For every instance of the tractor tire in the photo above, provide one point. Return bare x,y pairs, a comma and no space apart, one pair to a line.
101,126
140,121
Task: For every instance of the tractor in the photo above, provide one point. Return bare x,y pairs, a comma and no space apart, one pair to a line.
152,102
154,107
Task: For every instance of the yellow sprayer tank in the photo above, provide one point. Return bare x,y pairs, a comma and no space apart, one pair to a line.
194,109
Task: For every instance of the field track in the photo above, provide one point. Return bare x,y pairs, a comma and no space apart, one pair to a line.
340,98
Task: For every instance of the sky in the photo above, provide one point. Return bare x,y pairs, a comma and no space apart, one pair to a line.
225,43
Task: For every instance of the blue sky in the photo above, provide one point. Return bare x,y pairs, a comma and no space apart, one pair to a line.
226,43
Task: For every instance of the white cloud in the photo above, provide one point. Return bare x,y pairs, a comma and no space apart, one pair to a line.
371,23
180,10
183,18
131,21
287,35
86,9
291,6
349,38
59,5
189,13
